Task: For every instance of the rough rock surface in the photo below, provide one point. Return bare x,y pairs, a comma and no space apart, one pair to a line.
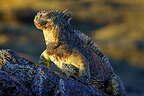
11,86
21,77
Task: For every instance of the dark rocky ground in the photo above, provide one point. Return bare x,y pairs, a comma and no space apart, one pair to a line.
21,77
117,27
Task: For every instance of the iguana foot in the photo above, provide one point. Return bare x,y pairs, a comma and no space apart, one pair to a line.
115,86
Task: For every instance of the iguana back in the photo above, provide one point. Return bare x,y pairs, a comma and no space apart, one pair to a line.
99,64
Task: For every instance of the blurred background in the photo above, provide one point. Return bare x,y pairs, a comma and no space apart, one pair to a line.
116,26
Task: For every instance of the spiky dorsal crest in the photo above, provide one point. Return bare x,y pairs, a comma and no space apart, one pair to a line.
65,14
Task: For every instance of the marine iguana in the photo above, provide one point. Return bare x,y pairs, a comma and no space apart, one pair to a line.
72,53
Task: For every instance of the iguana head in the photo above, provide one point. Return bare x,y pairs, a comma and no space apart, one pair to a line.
52,22
48,19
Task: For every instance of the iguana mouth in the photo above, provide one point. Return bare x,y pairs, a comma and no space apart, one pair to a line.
43,23
40,25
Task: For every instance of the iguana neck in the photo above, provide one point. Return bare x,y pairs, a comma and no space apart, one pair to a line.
51,37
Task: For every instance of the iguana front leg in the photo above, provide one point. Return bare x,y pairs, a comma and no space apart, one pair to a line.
78,61
74,65
45,60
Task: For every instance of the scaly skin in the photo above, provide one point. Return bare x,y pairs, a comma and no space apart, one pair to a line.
70,52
